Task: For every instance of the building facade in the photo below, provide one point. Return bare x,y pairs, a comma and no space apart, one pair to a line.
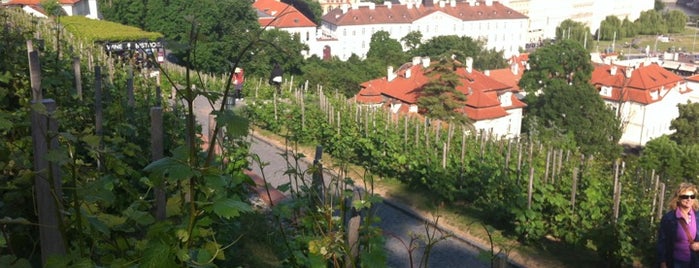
492,106
348,30
273,14
644,97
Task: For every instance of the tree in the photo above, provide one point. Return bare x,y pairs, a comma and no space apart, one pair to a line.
53,8
675,21
439,98
566,60
662,155
659,5
562,102
412,40
609,27
651,22
686,125
573,30
385,50
127,12
628,28
575,110
461,47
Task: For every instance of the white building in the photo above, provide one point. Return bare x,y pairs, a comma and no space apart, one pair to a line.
87,8
348,30
492,106
645,98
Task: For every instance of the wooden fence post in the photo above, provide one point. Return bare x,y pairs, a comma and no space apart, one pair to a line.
47,183
98,112
131,101
35,74
78,78
156,148
574,190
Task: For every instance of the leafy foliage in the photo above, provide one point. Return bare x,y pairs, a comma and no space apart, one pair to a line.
686,125
439,96
573,30
461,47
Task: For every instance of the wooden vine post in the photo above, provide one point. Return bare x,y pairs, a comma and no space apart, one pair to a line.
98,112
47,178
78,78
156,148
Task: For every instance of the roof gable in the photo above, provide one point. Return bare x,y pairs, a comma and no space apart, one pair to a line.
408,13
280,15
406,85
644,84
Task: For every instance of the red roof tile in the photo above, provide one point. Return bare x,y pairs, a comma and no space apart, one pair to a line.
482,91
38,2
281,15
644,80
397,14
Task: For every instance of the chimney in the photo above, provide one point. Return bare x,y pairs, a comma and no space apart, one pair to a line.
515,68
390,74
469,64
612,70
408,72
441,4
472,2
388,4
410,5
629,71
452,3
425,62
488,2
372,5
344,8
416,60
92,6
486,72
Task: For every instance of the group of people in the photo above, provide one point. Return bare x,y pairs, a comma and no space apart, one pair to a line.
678,244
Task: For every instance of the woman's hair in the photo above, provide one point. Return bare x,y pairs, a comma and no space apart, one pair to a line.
685,186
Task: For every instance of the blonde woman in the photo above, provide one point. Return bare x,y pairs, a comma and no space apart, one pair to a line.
677,235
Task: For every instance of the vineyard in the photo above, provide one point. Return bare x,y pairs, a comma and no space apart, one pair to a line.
125,201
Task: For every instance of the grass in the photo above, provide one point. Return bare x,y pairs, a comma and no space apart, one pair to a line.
464,221
685,41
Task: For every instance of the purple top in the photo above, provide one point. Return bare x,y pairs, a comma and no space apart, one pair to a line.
682,243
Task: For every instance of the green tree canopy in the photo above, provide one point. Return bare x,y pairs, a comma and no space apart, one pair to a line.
675,20
561,100
412,40
662,155
575,110
127,12
385,50
608,27
686,125
565,60
439,98
461,47
573,30
651,22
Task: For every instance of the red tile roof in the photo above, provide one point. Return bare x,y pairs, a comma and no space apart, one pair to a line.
281,15
638,88
397,14
38,2
482,91
369,96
